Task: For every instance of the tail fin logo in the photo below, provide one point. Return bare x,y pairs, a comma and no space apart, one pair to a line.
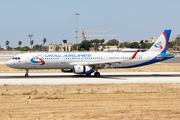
140,44
38,59
158,45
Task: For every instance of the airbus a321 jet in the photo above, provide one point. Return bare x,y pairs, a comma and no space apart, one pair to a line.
89,62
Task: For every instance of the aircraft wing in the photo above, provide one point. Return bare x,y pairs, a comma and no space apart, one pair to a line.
108,62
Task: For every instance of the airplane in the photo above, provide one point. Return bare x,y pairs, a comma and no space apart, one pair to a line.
89,62
139,46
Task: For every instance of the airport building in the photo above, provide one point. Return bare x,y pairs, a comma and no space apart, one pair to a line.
64,46
152,40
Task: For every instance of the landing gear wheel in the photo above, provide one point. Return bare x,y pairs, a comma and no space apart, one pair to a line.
97,74
26,75
88,75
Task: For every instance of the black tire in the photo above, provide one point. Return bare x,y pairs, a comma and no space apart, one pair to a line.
97,74
26,75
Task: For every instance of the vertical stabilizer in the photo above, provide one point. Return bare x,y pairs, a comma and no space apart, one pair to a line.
161,43
139,46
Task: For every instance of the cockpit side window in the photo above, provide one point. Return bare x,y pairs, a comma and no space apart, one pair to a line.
16,58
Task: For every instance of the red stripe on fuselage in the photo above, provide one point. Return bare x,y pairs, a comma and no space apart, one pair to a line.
40,60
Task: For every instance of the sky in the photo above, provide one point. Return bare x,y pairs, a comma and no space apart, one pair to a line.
55,20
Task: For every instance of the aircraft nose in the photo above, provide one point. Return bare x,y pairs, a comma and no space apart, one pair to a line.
9,63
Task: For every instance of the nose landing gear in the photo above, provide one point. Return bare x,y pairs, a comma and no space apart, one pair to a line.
26,75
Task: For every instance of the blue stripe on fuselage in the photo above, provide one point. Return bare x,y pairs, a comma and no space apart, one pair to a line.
147,63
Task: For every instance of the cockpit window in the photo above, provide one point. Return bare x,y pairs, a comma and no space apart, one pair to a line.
16,58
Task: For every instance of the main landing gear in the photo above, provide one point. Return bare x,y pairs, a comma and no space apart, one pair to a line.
26,75
97,74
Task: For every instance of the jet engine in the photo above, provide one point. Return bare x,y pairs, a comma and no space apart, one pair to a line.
83,69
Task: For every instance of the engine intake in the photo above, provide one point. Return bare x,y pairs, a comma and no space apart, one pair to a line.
83,69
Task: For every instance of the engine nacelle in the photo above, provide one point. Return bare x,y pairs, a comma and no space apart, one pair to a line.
67,70
83,69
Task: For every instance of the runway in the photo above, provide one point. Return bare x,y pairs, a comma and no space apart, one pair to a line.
106,78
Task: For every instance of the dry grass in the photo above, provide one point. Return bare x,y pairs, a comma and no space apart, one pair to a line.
159,67
87,101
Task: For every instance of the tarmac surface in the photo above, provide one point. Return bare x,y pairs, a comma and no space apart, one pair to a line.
106,78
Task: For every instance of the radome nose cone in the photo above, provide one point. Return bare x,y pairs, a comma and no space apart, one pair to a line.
8,63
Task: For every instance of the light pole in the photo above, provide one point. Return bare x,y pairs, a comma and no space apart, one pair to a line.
30,35
77,30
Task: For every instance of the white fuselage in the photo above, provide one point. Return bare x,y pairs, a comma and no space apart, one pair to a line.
68,60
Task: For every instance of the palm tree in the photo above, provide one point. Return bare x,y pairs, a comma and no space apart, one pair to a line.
32,42
7,43
44,41
102,41
92,41
20,42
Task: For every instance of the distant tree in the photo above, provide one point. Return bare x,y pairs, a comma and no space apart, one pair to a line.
86,45
25,48
177,40
96,47
37,47
9,48
144,45
20,42
126,44
104,46
102,41
133,45
147,45
121,45
7,43
74,47
96,41
113,42
31,42
170,45
92,41
2,48
44,41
